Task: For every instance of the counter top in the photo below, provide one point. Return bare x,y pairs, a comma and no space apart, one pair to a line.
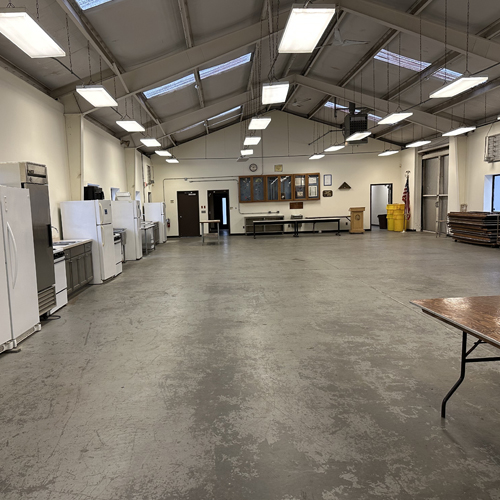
70,244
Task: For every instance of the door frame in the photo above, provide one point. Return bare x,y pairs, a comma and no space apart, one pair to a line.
198,213
223,191
391,197
440,155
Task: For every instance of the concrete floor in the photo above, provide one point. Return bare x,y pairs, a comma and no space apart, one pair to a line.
276,369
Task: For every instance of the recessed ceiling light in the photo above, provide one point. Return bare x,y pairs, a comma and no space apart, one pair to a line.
23,31
251,141
130,125
417,144
246,152
459,131
172,160
150,142
389,153
459,86
163,152
332,149
97,95
358,136
316,157
304,29
394,118
259,123
274,93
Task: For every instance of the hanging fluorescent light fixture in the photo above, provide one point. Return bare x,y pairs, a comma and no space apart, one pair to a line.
259,123
251,141
24,31
459,131
332,149
150,142
394,118
97,95
417,144
304,28
459,86
274,93
246,152
172,160
163,152
130,126
389,152
358,136
316,157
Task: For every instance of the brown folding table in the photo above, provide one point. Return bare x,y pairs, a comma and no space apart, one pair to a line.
475,316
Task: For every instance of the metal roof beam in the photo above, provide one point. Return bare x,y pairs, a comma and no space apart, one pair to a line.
402,21
390,35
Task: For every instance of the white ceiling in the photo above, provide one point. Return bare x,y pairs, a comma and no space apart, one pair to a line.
135,34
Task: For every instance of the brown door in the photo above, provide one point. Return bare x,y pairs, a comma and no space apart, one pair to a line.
189,213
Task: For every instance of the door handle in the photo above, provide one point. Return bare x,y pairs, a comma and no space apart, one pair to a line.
101,212
15,273
103,238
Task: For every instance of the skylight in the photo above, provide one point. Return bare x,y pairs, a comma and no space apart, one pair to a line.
228,66
88,4
170,87
225,113
344,109
415,65
189,128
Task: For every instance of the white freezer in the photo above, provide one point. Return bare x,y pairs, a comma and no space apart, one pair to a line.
155,212
18,286
92,220
127,215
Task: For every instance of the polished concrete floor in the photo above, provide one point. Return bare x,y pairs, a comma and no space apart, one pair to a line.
272,369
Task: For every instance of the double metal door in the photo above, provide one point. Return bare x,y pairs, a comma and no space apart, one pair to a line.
435,194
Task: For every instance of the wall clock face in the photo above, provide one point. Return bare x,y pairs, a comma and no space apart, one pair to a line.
253,167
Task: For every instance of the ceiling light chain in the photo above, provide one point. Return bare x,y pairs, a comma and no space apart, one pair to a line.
69,45
420,60
445,41
90,64
467,42
100,68
37,11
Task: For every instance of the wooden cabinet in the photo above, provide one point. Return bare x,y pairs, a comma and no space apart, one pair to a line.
79,267
271,188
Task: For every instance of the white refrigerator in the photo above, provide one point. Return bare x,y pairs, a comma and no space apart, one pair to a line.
18,286
92,220
155,212
127,215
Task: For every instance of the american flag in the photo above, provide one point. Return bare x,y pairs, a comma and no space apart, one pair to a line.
406,199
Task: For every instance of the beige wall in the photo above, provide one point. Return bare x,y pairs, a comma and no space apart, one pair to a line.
209,163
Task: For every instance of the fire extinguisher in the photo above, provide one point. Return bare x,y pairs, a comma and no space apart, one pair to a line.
168,222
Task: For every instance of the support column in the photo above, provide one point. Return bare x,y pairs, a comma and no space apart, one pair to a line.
74,136
456,177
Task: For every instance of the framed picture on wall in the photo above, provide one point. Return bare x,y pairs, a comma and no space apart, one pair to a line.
327,180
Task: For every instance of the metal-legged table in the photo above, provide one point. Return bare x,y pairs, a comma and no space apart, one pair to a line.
203,222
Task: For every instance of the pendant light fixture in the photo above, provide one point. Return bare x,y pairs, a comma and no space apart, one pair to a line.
22,30
150,142
172,160
358,136
317,156
128,124
332,149
251,141
389,152
275,93
304,28
259,123
246,152
394,118
418,144
459,131
163,152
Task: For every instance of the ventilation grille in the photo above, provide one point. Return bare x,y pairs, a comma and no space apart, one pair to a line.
355,123
46,300
492,149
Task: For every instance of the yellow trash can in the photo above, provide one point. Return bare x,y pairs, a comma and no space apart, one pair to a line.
390,217
399,222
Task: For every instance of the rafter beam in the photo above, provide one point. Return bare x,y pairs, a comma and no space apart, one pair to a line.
419,117
165,69
390,35
402,21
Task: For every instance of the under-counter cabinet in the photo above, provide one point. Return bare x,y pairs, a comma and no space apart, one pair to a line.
79,267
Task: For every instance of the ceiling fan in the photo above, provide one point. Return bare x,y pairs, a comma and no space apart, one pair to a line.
298,104
338,41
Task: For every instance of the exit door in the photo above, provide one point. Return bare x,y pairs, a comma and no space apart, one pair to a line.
188,213
380,197
218,209
435,194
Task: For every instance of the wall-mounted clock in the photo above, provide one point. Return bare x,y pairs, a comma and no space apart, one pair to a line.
253,167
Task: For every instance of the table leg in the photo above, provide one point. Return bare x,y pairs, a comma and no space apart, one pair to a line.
295,229
254,230
462,375
338,227
218,233
202,233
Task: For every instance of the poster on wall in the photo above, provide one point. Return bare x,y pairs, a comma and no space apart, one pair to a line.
327,180
278,168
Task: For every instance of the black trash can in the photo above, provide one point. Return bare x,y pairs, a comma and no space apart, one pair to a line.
382,221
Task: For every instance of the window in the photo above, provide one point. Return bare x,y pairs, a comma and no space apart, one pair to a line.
171,87
228,66
495,198
415,65
88,4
